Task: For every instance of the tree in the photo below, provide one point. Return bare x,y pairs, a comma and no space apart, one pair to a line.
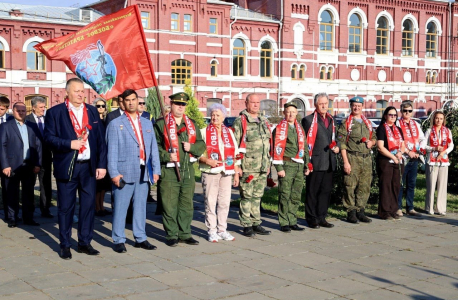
192,108
152,103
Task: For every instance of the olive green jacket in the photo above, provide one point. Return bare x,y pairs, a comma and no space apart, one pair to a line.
358,131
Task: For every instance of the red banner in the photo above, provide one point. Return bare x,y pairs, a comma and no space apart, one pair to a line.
109,54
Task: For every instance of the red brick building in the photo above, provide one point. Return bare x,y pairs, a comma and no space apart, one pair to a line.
387,51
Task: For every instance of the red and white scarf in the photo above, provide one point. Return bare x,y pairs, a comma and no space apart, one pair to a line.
172,145
394,137
281,136
366,122
82,131
242,145
436,141
212,142
411,135
311,134
138,135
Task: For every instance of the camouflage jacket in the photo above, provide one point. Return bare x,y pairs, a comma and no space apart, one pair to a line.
257,156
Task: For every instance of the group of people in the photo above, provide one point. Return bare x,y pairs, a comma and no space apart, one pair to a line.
125,151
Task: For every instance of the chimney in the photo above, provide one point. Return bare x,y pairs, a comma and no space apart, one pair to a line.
16,13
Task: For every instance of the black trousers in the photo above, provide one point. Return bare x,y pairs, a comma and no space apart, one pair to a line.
389,187
44,178
24,177
317,195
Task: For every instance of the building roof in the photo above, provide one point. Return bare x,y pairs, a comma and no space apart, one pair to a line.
49,14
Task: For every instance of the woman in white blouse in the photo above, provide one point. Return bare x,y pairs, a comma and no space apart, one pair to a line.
438,143
217,165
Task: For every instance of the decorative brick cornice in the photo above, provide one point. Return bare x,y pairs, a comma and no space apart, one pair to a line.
5,30
267,30
299,9
146,6
183,5
214,12
406,4
37,32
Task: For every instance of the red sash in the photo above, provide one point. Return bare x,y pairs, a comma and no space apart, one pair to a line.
366,122
212,142
394,137
172,146
311,134
280,143
82,132
411,136
434,142
142,141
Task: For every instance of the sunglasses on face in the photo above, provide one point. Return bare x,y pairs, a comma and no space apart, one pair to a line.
392,115
179,103
100,105
407,111
141,103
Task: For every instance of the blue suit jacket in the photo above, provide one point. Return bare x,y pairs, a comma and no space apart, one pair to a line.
12,146
124,151
59,133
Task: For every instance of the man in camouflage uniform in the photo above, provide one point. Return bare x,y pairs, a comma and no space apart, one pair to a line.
356,142
176,196
290,171
255,164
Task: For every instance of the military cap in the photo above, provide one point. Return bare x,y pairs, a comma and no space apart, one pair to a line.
357,99
289,104
179,98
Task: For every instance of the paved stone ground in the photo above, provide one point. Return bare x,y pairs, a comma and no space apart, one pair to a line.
407,259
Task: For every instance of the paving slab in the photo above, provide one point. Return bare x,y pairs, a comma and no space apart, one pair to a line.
299,291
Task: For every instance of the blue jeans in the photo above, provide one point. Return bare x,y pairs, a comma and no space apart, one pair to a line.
409,180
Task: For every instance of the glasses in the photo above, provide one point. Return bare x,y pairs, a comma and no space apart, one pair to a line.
392,115
100,105
141,103
407,111
179,103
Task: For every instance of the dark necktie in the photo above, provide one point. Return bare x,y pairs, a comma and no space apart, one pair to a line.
2,119
40,125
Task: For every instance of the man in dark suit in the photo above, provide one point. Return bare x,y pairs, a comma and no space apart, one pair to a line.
4,105
115,113
44,176
74,133
321,132
21,159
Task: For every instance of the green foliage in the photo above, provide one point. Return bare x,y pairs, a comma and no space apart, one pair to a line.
152,103
109,103
192,108
452,123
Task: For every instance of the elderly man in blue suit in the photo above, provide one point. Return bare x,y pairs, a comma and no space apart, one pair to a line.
133,158
74,133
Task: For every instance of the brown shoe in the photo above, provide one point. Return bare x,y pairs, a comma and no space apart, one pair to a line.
413,213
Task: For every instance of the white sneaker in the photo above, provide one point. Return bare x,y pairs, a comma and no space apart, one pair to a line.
442,213
226,236
399,213
213,238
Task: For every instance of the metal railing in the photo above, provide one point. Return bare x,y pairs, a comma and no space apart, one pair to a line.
249,14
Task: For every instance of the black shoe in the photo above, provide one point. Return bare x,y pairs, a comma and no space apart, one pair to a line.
172,243
313,225
146,245
325,224
248,231
12,224
18,220
31,223
296,228
362,217
285,229
260,230
88,249
107,212
189,241
120,248
65,253
351,217
47,215
99,213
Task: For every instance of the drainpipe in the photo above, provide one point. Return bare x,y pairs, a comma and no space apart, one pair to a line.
230,63
279,59
450,66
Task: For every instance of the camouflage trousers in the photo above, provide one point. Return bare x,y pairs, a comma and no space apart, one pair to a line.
358,183
289,193
250,202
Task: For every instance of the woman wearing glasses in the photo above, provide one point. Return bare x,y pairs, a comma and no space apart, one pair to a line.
103,184
390,166
438,143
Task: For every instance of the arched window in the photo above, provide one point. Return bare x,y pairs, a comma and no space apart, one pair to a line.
381,105
407,38
2,56
326,31
214,68
331,107
294,72
266,59
36,61
355,33
181,70
28,101
433,77
238,58
300,107
302,72
323,73
329,74
431,40
428,77
456,78
382,36
268,107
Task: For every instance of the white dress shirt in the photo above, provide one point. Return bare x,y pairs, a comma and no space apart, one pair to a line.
140,142
79,116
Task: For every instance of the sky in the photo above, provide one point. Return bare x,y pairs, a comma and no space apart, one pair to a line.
62,3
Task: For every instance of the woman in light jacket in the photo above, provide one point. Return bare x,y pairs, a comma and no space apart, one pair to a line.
217,165
438,143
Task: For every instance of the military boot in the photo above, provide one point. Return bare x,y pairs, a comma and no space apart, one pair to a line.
351,217
362,217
